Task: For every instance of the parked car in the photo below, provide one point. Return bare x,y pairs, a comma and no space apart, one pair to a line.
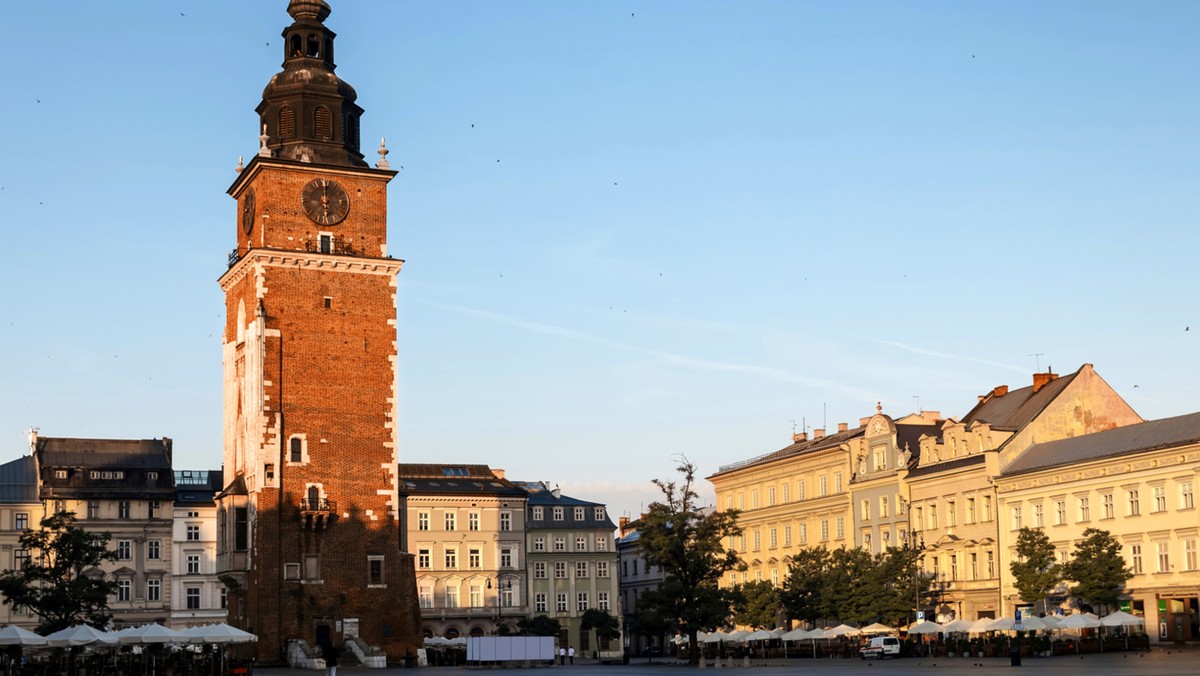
880,647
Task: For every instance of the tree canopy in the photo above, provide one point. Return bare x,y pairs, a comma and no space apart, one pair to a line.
1036,571
756,604
607,627
852,585
52,583
685,541
538,625
1097,568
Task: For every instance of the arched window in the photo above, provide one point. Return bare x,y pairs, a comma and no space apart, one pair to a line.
314,47
287,122
314,496
296,46
324,123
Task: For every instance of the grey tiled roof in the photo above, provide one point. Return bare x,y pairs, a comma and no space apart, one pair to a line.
18,481
798,448
1017,408
453,479
1146,436
105,453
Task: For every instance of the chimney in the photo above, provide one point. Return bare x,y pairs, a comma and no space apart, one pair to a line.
862,422
1040,379
818,433
797,437
842,427
1000,391
556,492
622,525
498,473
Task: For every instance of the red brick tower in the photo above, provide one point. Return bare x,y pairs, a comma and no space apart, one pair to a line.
309,542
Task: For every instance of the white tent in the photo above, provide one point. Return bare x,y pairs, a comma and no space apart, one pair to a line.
82,634
957,627
878,628
760,635
982,625
796,635
151,633
1033,623
842,630
1080,621
14,635
218,633
1121,619
925,627
1003,624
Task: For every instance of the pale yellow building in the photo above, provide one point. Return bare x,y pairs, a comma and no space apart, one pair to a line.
1138,483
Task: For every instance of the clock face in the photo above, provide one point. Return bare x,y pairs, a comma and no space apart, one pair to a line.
325,202
248,208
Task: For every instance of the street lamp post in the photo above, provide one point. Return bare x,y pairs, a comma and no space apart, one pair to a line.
501,586
915,542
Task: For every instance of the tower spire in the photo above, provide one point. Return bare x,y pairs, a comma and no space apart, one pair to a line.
309,113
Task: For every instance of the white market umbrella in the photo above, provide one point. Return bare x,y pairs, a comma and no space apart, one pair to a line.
437,640
925,627
842,630
1003,624
83,634
458,641
1034,623
715,637
878,628
1121,619
760,635
957,627
217,633
795,635
738,636
151,633
982,625
14,635
1052,622
1080,621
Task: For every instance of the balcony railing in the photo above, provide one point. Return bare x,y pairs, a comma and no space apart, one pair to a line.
317,513
317,505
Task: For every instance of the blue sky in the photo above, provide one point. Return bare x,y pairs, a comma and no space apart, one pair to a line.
632,229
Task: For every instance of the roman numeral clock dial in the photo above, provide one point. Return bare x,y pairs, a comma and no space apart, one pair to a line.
325,202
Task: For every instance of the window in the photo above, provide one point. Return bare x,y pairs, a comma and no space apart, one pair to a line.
581,543
1186,500
885,504
193,564
539,570
787,492
123,589
866,540
824,529
880,458
451,559
20,558
602,543
560,543
954,566
602,600
866,510
787,536
474,558
291,571
598,513
124,550
1085,510
476,596
559,513
1162,554
774,577
933,516
539,543
422,520
424,559
451,521
581,569
473,521
757,542
560,603
1060,512
323,121
425,594
60,474
1135,507
312,567
152,509
123,509
296,449
241,528
1189,554
951,517
153,550
918,516
774,540
580,514
970,510
822,486
152,476
1016,517
193,532
505,520
839,525
1135,554
602,569
800,489
987,508
560,570
154,589
375,570
506,595
837,482
193,598
452,597
974,566
539,602
581,601
1160,498
93,509
539,513
506,557
754,499
21,521
1106,501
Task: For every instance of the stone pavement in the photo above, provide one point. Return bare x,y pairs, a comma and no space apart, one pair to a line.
1159,662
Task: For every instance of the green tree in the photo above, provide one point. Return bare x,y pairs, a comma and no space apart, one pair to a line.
892,583
538,625
685,540
607,627
649,617
1036,571
1097,568
52,583
805,583
756,604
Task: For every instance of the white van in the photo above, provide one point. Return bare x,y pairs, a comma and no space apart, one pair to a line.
880,647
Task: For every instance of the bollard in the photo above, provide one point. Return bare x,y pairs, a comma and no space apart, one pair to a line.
1015,654
746,662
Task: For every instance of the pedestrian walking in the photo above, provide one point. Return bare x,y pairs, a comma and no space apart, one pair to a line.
562,656
571,654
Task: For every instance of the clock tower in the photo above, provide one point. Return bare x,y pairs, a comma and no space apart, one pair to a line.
309,540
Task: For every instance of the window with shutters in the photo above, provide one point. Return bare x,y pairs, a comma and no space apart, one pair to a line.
287,122
324,123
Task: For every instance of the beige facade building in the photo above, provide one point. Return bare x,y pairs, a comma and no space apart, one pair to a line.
466,525
20,509
1136,482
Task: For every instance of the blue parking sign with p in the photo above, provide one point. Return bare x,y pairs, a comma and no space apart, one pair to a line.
920,616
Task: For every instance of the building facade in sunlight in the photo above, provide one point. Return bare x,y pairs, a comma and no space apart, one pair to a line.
308,529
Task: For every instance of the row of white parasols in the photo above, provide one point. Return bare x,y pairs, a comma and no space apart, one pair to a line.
85,635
